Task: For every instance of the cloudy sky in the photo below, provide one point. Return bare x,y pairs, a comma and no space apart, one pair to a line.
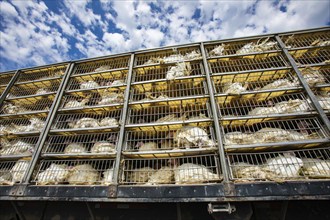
41,32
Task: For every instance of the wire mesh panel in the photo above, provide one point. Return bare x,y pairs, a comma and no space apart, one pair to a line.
47,73
12,172
280,166
168,72
160,114
314,39
22,125
74,172
168,56
87,121
323,98
34,88
187,140
242,47
5,78
18,146
108,79
27,105
225,65
81,144
312,56
305,132
104,66
180,170
317,76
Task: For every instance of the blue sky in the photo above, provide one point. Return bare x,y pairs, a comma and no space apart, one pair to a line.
41,32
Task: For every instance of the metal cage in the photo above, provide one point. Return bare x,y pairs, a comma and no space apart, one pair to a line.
312,56
5,78
74,172
17,146
22,126
315,39
280,166
43,74
13,171
81,145
202,169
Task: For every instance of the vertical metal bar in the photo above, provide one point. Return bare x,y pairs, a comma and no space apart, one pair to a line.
10,84
215,116
18,212
123,121
305,85
50,118
178,211
90,211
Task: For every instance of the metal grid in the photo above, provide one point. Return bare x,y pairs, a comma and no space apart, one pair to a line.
22,146
5,78
41,74
234,84
242,47
164,113
106,66
323,98
74,172
286,104
92,99
306,40
21,125
177,89
165,72
28,105
187,137
168,56
280,166
98,120
317,76
224,65
181,170
34,88
100,143
12,171
104,79
312,56
279,131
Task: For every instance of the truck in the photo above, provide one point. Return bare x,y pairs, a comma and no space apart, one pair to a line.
226,129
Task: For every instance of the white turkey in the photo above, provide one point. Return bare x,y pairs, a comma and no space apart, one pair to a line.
102,68
76,103
108,122
107,177
285,166
109,97
89,85
248,171
181,69
36,124
13,109
75,148
84,123
266,135
103,147
218,50
17,147
83,174
148,146
18,170
280,83
234,88
42,91
164,175
173,58
324,102
312,76
54,174
320,43
140,175
5,178
154,60
257,47
117,83
237,137
193,55
191,136
189,173
315,168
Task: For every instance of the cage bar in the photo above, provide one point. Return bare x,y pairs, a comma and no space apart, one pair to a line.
5,78
202,169
81,144
280,166
49,73
312,56
74,172
22,126
18,146
315,39
12,172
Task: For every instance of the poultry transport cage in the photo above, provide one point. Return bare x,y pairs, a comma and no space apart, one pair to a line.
209,120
